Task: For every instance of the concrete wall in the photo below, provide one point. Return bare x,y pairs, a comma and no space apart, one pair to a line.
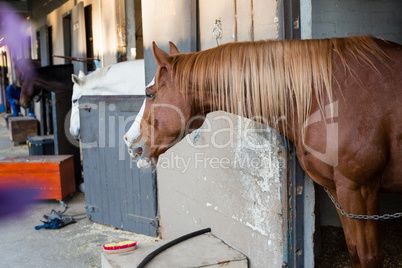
165,21
240,21
334,18
226,177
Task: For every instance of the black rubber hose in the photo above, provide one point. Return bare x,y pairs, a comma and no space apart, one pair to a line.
154,253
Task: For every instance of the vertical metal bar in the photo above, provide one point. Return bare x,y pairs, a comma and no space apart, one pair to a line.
285,201
252,20
198,26
299,198
194,44
235,20
297,185
292,176
56,131
281,20
48,111
295,19
288,19
42,116
3,80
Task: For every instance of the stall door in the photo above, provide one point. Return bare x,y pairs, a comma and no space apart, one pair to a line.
117,193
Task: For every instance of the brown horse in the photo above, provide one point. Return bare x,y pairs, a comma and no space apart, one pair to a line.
33,80
338,100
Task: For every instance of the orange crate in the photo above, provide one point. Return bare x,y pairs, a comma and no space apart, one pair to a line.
51,175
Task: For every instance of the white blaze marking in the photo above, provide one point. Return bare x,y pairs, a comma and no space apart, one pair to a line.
75,121
135,130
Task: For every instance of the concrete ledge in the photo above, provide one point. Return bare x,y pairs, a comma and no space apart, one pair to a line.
202,251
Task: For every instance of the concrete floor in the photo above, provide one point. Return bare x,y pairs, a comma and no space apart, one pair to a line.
76,245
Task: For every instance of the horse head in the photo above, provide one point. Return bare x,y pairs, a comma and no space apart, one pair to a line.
78,89
28,91
25,75
167,113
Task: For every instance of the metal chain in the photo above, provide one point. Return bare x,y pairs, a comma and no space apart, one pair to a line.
362,217
76,215
71,216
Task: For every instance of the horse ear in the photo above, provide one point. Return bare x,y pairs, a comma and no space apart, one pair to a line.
81,74
76,79
161,57
173,50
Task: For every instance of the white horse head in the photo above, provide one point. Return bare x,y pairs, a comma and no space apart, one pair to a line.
125,78
77,92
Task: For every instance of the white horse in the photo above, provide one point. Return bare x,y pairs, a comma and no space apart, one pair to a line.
125,78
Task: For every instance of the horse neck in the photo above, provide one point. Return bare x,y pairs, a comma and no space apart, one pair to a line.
49,85
97,82
59,73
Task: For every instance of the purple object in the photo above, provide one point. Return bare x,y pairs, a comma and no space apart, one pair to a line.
15,200
14,31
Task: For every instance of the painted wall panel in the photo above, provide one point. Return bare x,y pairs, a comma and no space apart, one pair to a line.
165,21
223,11
332,18
265,20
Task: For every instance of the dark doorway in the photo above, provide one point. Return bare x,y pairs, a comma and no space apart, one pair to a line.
139,40
28,48
67,37
50,44
38,45
4,81
289,26
89,37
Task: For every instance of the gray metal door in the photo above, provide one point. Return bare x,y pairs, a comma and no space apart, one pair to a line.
117,193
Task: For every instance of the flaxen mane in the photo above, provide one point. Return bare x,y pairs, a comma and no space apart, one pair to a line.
268,80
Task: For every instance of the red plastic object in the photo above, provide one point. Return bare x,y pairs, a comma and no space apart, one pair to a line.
119,247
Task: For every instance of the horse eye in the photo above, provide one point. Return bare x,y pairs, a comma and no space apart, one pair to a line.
149,95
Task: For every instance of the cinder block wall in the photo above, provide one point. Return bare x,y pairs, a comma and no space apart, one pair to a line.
335,18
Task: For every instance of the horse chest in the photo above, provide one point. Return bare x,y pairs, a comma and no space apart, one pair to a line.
317,170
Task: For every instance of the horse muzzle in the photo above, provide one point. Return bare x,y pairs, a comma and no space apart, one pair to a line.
143,162
136,152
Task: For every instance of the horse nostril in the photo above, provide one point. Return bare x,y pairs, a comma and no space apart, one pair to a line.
125,138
